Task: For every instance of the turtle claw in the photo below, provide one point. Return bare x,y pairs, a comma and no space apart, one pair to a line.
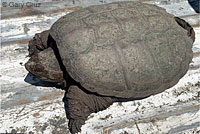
75,125
77,110
80,104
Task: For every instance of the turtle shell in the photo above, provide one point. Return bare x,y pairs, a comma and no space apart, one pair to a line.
123,49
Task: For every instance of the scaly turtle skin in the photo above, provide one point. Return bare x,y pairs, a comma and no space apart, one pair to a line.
113,52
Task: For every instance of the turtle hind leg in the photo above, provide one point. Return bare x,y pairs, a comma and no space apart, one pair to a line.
38,43
81,104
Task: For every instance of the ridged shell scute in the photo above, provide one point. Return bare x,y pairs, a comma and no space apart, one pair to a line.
123,49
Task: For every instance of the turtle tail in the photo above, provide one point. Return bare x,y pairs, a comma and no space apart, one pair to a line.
186,26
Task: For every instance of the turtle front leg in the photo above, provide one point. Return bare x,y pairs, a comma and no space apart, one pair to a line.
81,104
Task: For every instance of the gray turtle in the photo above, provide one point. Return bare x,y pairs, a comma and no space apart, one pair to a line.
113,52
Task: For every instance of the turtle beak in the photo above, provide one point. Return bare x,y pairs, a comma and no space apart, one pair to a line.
34,67
45,68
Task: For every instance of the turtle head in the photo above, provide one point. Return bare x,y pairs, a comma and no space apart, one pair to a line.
45,66
43,62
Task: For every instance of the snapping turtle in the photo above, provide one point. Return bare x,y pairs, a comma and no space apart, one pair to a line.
119,51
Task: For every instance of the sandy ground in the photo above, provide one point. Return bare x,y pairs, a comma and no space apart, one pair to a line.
29,105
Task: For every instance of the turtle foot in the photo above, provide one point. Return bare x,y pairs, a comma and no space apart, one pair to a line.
80,104
75,125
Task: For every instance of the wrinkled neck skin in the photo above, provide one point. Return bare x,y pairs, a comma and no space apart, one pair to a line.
68,80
